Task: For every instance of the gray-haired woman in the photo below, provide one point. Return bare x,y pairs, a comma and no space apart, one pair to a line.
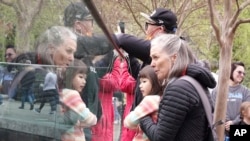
181,115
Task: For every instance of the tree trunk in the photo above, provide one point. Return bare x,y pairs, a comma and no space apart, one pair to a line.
23,39
222,92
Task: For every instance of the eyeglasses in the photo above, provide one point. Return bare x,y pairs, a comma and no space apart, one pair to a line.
8,55
87,20
147,23
240,72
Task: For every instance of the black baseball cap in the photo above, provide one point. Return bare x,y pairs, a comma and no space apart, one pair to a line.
162,16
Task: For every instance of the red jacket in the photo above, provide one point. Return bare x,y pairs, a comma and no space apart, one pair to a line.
118,79
127,85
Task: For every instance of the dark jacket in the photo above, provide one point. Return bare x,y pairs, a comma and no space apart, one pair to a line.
139,48
89,47
181,116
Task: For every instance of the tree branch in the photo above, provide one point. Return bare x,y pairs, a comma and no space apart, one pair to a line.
7,2
188,13
37,8
236,25
134,17
144,5
239,10
215,27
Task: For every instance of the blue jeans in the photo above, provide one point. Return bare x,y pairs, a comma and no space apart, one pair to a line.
26,94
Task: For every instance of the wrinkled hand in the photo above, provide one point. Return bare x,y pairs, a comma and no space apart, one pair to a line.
227,125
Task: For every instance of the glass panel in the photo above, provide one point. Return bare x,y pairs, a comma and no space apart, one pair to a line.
69,84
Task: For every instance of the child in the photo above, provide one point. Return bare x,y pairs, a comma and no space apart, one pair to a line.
151,90
74,109
244,113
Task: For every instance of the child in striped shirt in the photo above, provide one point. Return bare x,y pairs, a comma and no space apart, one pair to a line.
151,91
75,111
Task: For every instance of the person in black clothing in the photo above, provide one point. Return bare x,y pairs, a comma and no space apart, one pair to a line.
181,115
161,21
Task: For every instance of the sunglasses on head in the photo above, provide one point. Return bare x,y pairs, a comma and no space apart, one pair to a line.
147,23
240,72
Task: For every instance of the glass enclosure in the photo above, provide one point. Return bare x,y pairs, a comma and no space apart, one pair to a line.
86,97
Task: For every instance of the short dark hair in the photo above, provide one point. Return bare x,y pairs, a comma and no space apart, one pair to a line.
10,46
149,73
234,65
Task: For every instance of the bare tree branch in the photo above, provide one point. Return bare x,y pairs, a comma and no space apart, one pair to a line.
239,10
20,5
236,25
7,2
237,3
212,15
188,13
144,5
183,6
134,17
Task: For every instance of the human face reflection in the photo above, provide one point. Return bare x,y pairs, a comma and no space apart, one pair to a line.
10,54
64,54
161,62
238,74
79,82
85,27
145,86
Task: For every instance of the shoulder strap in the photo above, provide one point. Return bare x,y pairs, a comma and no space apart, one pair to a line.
205,102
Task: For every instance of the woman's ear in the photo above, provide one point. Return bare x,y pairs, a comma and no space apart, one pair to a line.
173,58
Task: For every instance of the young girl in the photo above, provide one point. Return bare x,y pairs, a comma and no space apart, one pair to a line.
244,113
75,111
151,91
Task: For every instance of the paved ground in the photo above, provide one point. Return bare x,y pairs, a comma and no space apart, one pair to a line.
29,121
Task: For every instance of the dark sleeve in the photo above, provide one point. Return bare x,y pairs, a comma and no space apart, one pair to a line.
90,93
174,107
134,46
94,45
135,66
137,97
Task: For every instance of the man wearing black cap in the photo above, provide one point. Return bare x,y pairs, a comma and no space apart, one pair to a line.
161,21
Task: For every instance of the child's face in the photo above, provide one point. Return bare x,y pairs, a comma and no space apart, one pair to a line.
145,86
247,113
79,82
